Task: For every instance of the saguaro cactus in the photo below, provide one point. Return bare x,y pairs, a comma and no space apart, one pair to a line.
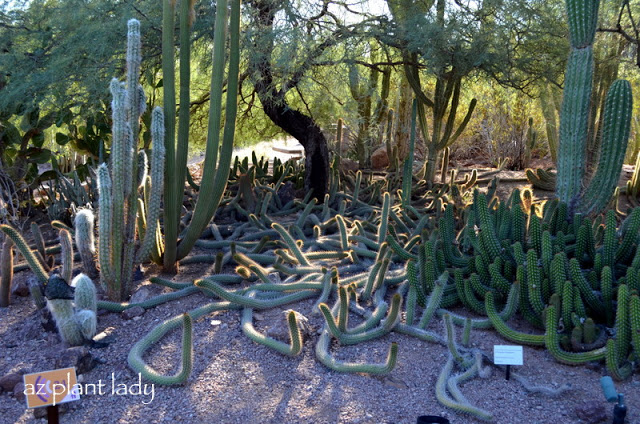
574,120
119,189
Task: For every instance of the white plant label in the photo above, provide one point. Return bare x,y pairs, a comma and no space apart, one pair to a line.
507,355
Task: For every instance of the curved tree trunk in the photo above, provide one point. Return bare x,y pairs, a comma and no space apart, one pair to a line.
274,104
308,133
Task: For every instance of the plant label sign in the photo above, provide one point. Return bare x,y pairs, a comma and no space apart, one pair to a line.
507,355
50,388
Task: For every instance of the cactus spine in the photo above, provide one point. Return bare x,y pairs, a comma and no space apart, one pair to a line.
574,125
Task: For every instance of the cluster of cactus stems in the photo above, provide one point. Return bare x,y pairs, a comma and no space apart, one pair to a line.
574,119
219,149
75,316
121,212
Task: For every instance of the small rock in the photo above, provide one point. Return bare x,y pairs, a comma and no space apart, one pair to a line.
18,392
78,357
348,165
20,289
140,295
395,382
215,322
379,158
131,313
9,381
591,412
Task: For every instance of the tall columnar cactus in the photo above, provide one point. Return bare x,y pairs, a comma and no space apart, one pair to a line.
119,189
216,168
574,121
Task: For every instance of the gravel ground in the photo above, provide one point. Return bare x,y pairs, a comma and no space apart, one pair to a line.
235,380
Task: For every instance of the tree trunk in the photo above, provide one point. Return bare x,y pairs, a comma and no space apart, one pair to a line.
308,133
272,96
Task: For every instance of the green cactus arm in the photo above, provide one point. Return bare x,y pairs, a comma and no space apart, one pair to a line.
407,166
446,400
434,300
105,227
583,20
618,108
501,326
211,286
212,188
291,244
344,241
552,342
26,252
634,321
622,327
292,349
153,208
585,288
149,303
625,249
135,354
66,255
574,123
323,355
173,192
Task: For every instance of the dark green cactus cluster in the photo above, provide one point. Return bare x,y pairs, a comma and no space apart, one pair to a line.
569,276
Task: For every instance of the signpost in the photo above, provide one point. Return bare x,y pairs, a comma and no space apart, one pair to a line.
507,355
50,389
